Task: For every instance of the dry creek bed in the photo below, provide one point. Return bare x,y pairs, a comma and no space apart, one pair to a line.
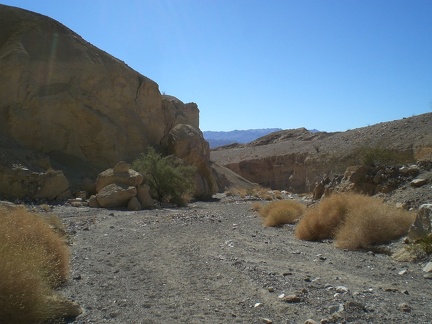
213,262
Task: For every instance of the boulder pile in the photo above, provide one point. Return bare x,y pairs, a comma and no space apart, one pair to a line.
120,187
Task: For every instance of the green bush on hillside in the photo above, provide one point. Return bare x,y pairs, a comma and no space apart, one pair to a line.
169,178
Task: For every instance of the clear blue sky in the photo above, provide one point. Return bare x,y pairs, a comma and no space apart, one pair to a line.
324,64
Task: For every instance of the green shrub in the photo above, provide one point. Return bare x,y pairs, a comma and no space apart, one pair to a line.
371,156
421,249
33,261
169,178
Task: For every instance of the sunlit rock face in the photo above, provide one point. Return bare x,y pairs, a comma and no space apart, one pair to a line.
63,97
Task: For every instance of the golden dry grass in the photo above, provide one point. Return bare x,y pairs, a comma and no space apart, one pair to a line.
321,222
355,221
281,212
34,260
371,223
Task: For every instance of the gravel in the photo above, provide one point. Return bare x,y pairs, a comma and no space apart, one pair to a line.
213,262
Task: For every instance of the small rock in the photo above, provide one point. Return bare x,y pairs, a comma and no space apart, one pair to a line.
270,289
292,299
310,321
416,183
336,308
390,289
404,307
402,272
257,305
281,296
428,267
428,276
353,305
341,289
266,320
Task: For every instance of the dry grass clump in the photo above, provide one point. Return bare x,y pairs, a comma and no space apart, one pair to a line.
355,221
281,212
34,260
321,221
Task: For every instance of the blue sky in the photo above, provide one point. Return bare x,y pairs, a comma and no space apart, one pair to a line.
324,64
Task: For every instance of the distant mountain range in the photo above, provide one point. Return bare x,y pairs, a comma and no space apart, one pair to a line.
217,139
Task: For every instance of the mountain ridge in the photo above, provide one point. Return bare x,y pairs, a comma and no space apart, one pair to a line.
221,138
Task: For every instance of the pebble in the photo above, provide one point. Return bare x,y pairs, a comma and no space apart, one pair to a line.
292,299
428,267
310,321
266,320
341,289
336,308
402,272
404,307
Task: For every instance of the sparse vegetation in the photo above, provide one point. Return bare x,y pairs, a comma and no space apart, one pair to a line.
421,249
355,221
375,155
169,178
281,212
321,221
255,192
34,260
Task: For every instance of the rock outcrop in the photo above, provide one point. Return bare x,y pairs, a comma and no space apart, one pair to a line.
121,187
187,143
22,183
297,159
62,97
422,226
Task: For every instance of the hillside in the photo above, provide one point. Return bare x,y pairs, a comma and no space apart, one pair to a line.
297,159
67,105
217,139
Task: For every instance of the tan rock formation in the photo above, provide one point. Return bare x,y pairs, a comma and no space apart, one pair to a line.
115,195
144,198
134,204
120,174
61,96
187,143
22,183
297,159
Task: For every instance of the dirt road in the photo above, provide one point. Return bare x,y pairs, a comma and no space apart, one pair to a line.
214,263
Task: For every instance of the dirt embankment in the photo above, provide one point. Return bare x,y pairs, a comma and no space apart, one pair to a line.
215,263
296,159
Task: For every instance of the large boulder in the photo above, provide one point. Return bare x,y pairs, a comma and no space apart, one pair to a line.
188,143
121,173
144,197
115,195
422,226
20,182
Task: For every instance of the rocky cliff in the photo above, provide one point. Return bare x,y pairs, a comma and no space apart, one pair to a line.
297,159
62,97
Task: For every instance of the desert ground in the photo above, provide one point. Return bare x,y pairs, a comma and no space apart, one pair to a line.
213,262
